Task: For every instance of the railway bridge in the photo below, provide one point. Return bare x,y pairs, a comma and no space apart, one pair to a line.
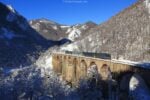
74,67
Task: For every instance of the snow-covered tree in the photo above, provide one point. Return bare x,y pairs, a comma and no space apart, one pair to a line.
138,89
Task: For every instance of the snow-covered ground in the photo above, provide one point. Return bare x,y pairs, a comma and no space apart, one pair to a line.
138,89
45,60
76,31
65,26
69,47
11,8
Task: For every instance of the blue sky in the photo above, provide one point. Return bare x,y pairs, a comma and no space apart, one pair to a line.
69,11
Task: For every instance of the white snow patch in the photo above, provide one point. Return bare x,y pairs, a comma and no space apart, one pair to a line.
138,89
36,26
84,27
125,61
93,71
65,26
69,30
90,39
11,17
55,27
75,33
70,47
45,61
47,21
49,62
11,8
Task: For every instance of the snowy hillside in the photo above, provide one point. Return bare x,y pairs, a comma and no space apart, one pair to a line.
55,31
138,89
125,36
19,43
48,29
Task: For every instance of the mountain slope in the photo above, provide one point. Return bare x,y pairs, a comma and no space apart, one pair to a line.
55,31
47,28
125,36
17,39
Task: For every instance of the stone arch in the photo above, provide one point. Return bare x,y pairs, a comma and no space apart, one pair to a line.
93,75
92,63
69,60
93,66
82,70
105,71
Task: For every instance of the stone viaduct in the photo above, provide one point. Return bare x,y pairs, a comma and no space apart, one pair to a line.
74,67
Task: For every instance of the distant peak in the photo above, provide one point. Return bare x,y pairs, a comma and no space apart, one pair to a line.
90,23
44,20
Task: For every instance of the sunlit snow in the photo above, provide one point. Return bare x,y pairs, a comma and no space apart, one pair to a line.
11,8
74,33
138,89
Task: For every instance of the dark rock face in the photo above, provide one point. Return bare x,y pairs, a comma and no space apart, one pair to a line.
126,35
17,39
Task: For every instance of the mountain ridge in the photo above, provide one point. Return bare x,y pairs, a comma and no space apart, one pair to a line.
125,36
55,31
